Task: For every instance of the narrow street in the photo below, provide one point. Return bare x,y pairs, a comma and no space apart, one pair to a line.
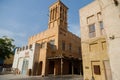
23,77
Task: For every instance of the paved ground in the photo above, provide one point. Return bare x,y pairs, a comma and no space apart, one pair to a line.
23,77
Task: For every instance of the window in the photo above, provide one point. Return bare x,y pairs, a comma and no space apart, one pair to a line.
101,27
70,47
63,45
60,8
60,12
92,30
93,47
99,15
52,44
97,69
52,14
90,19
43,45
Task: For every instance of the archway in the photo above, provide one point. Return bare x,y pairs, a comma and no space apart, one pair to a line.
51,67
40,68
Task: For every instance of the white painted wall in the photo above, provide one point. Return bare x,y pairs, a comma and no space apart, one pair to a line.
20,56
111,18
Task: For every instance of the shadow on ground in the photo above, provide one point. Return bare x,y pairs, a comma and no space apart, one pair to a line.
65,77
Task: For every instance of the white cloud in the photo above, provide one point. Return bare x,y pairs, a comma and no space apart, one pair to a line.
18,37
4,32
74,28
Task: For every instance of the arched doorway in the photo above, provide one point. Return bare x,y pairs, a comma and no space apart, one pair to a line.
51,67
40,68
25,66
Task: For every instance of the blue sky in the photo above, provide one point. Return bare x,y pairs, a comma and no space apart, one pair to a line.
20,19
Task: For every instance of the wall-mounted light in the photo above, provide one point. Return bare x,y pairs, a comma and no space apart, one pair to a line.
116,2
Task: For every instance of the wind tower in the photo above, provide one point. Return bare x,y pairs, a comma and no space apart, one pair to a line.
58,16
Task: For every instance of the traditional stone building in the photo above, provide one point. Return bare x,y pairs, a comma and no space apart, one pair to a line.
60,50
111,19
24,58
94,45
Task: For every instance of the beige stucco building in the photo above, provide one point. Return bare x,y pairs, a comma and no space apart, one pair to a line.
111,18
96,62
60,50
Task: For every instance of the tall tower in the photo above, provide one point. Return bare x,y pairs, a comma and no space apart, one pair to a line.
58,15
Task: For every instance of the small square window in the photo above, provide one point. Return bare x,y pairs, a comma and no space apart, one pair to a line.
97,69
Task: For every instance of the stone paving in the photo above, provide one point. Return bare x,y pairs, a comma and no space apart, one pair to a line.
24,77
